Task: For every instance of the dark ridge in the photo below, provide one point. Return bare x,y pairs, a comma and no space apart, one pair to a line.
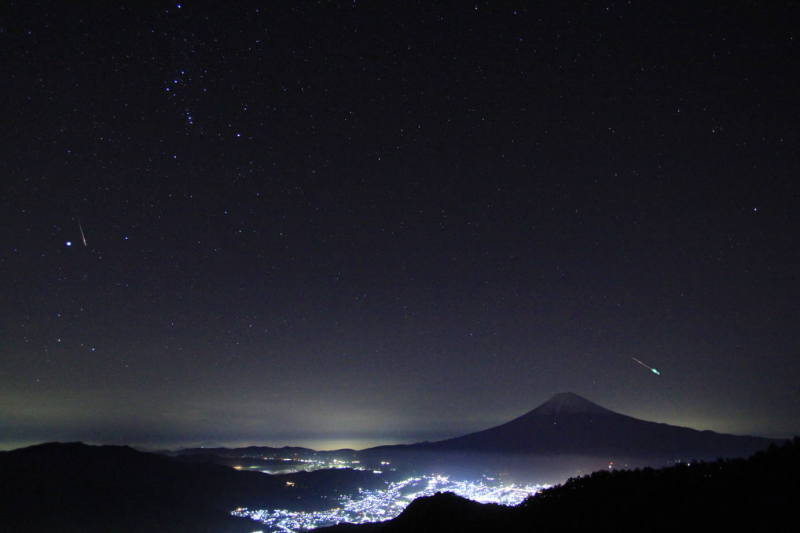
754,494
69,487
244,451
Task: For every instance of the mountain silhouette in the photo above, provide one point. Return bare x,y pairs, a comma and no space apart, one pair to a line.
568,424
69,487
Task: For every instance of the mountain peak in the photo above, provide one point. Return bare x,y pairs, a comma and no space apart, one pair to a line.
569,403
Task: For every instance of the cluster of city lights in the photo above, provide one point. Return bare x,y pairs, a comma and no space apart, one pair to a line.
386,503
286,465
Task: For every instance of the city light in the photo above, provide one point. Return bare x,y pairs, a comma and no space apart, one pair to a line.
385,504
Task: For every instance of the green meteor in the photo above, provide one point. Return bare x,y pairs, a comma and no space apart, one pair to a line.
650,368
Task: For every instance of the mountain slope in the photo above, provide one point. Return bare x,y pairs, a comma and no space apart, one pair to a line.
569,424
75,487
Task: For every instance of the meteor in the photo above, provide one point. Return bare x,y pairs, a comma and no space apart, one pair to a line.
648,367
83,237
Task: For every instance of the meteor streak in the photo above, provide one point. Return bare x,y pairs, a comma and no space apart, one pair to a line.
648,367
83,237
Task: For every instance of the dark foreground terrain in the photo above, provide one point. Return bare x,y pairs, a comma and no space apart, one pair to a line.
761,493
73,487
78,488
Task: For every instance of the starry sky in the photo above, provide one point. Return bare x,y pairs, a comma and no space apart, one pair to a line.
352,223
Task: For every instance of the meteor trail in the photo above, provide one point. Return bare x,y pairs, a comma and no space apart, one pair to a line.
83,237
650,368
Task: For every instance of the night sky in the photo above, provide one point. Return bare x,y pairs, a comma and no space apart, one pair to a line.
350,223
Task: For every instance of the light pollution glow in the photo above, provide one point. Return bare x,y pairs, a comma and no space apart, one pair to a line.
385,504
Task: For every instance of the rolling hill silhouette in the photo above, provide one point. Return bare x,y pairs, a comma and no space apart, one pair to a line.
68,487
